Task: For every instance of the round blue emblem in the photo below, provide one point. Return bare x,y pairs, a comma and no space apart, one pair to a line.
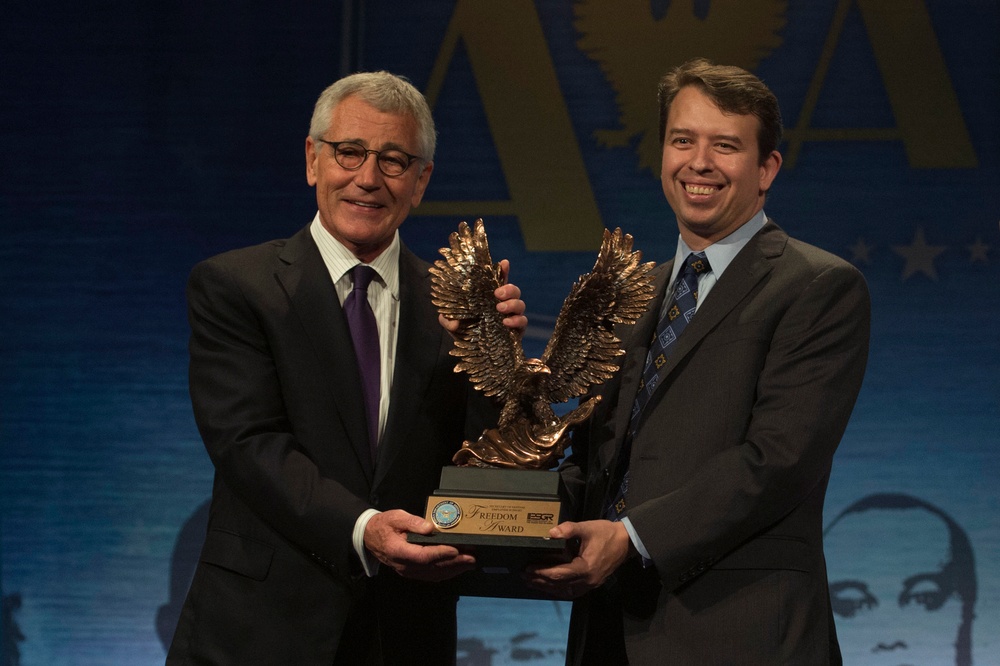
446,514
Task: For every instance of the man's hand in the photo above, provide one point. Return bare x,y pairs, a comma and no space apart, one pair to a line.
509,304
385,538
604,546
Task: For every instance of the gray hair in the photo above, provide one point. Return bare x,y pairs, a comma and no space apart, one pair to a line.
389,93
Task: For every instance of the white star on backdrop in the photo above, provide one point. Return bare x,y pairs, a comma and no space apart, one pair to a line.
919,256
978,250
861,251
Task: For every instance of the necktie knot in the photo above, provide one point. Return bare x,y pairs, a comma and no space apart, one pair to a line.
697,262
685,294
362,276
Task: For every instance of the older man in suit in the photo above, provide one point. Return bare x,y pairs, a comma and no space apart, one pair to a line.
704,470
327,437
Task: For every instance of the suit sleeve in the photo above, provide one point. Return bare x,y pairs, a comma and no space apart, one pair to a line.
796,409
245,424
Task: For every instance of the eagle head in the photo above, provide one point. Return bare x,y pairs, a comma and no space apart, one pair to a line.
530,369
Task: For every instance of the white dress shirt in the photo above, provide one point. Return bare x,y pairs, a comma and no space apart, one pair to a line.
383,296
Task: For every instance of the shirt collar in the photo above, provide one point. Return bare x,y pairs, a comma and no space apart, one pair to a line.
722,252
339,260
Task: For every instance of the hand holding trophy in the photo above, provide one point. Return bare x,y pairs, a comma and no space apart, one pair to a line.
499,499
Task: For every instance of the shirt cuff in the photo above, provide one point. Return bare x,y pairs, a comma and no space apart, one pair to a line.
369,563
637,542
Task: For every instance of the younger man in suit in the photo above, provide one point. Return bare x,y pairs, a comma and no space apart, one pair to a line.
702,474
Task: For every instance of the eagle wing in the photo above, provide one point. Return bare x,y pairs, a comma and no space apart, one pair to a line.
634,48
583,346
462,286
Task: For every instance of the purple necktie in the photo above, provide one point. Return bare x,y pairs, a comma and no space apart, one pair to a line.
364,333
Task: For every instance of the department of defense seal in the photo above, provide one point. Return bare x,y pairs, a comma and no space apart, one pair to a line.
446,514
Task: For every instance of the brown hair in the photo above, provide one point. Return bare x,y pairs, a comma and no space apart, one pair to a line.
734,90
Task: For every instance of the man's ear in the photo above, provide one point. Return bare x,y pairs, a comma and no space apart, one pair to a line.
769,170
312,156
422,181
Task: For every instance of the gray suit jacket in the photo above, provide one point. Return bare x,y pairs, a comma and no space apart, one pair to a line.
274,384
729,466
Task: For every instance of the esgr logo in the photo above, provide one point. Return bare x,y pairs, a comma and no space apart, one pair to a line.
545,518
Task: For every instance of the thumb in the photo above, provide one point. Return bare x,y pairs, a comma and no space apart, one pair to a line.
564,530
407,522
504,271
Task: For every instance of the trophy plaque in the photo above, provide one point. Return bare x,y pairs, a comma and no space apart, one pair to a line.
502,516
501,498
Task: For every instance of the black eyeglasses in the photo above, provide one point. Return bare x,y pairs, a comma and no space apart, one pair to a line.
391,161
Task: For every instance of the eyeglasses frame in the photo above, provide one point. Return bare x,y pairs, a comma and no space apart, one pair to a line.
335,144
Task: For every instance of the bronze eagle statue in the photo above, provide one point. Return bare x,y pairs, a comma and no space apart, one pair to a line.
580,353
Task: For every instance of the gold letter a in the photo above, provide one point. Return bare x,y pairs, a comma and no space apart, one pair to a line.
549,189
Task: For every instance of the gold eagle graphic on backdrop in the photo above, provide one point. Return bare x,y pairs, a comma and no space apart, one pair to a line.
582,351
635,49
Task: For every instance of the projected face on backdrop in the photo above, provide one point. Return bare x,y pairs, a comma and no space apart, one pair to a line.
902,583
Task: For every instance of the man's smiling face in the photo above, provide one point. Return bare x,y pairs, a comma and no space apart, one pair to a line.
363,208
712,173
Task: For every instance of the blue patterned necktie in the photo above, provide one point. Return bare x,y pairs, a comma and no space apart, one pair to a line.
673,322
364,334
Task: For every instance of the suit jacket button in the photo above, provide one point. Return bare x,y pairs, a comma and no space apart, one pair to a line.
373,500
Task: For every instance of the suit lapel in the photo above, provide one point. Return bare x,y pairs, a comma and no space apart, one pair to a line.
747,269
418,344
310,290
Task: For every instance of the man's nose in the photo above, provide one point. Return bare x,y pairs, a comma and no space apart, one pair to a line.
368,175
701,159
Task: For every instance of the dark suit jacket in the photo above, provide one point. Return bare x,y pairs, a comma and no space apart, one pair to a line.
729,466
274,384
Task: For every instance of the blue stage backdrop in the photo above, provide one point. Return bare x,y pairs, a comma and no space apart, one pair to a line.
138,138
